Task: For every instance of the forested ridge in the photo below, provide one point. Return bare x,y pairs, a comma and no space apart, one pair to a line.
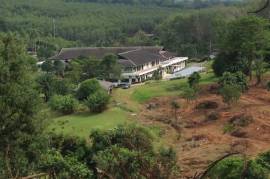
89,24
49,25
167,3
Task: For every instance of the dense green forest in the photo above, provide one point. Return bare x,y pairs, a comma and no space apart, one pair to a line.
168,3
50,25
88,24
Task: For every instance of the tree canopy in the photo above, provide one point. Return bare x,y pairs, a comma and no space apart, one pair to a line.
21,129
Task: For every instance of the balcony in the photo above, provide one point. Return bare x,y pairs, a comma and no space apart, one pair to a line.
173,61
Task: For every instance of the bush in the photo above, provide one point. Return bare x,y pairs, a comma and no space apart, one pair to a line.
237,78
97,102
128,151
45,84
64,104
229,128
233,167
190,94
47,66
228,169
228,62
207,105
268,86
193,80
230,94
213,116
62,87
87,88
241,120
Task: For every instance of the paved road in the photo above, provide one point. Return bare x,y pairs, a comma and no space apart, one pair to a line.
186,72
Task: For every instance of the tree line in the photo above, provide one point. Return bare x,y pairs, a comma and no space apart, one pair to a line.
196,4
50,25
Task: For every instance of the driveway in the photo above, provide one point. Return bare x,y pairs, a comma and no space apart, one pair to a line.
186,72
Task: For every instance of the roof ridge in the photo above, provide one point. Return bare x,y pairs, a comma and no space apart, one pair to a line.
137,47
128,51
132,62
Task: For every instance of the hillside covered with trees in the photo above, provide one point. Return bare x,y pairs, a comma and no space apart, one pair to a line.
58,121
50,25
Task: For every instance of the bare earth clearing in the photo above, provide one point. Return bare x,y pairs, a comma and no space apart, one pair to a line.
199,141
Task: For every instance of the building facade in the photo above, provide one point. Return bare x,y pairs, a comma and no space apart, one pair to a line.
138,63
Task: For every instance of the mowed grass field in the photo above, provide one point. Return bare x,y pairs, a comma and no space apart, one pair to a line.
82,124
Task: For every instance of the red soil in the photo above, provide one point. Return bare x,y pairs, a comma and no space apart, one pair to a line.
199,142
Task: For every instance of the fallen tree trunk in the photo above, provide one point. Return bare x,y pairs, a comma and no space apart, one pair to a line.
213,164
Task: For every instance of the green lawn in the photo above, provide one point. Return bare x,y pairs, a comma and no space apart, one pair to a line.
81,124
123,104
165,88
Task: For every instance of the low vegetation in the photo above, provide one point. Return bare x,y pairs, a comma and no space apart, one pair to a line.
122,152
237,167
98,101
230,94
64,104
80,124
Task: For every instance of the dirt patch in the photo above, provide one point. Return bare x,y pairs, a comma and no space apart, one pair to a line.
198,135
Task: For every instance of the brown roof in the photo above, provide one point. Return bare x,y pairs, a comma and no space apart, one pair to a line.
167,54
126,63
97,52
142,56
128,56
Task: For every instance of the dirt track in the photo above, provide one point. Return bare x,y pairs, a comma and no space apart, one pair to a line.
199,142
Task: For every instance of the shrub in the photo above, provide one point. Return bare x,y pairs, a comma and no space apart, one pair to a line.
47,66
190,94
194,79
241,120
62,87
207,105
268,86
233,167
45,84
230,94
86,88
213,116
234,78
239,133
64,104
128,151
59,67
229,128
228,168
97,102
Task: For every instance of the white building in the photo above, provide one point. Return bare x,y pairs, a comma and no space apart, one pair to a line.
139,63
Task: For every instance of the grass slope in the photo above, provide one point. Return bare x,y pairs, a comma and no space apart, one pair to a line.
81,124
127,102
165,88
